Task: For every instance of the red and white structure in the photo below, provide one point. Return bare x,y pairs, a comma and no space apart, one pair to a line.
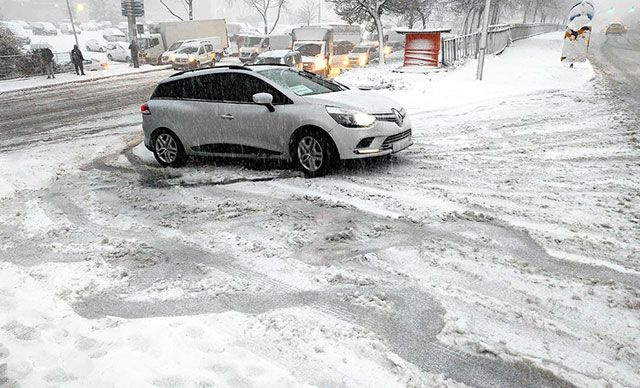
422,47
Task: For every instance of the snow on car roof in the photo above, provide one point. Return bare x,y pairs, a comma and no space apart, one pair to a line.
274,54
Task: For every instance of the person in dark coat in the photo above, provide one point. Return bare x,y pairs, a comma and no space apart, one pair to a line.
77,59
135,50
47,60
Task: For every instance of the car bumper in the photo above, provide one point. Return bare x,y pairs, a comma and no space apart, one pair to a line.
383,138
184,66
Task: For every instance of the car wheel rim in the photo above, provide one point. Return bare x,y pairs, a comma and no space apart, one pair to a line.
166,148
310,154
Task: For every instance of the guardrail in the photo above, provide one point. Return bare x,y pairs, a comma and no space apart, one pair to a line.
500,37
29,64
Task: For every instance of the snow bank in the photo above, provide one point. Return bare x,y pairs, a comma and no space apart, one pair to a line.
529,66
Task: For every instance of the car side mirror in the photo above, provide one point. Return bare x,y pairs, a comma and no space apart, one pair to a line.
265,99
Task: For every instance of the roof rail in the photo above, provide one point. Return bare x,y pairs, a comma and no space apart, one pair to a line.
232,67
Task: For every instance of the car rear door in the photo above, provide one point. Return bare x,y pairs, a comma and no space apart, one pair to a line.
248,127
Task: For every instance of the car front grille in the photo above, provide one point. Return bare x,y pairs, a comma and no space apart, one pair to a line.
389,117
388,142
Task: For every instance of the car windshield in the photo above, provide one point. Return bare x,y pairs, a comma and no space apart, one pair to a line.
301,83
308,49
269,61
189,50
252,41
175,46
361,50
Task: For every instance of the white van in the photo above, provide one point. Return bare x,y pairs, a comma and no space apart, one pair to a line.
252,46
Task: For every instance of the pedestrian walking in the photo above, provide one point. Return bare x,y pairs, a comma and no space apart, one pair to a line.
135,50
77,59
47,60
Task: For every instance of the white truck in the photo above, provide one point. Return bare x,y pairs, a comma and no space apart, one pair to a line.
163,36
316,46
252,46
345,38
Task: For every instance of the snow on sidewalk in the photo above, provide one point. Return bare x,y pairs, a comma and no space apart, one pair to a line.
115,69
529,66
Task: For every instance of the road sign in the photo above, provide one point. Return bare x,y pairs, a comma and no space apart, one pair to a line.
132,8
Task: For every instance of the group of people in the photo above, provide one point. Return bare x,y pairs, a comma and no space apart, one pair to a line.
77,59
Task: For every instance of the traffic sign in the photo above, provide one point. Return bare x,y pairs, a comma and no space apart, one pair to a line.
132,8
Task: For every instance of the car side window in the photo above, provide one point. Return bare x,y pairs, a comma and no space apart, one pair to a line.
169,90
201,50
208,48
240,88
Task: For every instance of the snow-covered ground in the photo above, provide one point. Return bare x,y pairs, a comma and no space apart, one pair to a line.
502,249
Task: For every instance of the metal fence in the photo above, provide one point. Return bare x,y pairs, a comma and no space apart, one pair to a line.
500,37
29,64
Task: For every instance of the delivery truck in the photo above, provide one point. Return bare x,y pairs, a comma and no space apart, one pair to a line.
316,46
165,35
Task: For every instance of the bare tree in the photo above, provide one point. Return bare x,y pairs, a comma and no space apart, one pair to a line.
264,7
307,11
186,4
357,11
413,10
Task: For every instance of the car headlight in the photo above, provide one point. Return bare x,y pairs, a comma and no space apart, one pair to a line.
363,60
192,58
172,58
320,64
351,118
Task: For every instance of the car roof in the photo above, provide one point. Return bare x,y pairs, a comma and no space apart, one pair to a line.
220,69
276,53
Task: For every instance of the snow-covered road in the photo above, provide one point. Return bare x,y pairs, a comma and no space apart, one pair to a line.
502,249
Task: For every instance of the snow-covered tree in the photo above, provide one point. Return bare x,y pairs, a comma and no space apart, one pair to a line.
264,8
186,4
307,11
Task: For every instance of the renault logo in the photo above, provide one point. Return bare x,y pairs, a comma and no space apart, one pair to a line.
399,118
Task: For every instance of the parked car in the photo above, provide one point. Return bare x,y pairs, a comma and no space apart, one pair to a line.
362,55
194,55
280,57
22,24
67,29
114,35
105,24
119,52
123,27
270,112
616,29
20,34
95,46
44,28
89,26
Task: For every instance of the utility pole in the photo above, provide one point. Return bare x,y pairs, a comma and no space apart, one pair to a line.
73,24
483,40
319,11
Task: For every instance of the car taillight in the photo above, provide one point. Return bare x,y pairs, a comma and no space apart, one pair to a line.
144,109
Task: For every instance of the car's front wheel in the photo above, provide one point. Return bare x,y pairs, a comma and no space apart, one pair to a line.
110,57
314,153
168,149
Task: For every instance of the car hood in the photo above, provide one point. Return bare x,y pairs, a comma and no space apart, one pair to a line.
364,101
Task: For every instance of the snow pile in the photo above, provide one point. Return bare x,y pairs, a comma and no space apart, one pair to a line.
530,66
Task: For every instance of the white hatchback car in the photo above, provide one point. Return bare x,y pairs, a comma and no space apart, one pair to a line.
119,52
270,112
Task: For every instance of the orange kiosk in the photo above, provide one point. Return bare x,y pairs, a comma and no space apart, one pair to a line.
422,48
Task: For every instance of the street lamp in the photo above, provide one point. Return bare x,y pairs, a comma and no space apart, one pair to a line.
483,41
73,25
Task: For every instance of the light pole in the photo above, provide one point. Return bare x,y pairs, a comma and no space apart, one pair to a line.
483,41
73,25
319,11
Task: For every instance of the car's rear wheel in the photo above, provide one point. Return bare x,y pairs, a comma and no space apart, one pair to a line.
110,57
168,149
314,153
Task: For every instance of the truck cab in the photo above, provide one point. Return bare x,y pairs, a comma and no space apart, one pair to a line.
316,46
252,46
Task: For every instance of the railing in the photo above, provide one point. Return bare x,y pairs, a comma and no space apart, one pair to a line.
29,64
500,37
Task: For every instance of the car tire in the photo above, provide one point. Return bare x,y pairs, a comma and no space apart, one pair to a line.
127,59
314,153
168,149
110,57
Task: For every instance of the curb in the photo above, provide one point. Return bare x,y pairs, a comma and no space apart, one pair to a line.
85,80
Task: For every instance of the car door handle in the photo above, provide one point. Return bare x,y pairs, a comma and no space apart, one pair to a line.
227,117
